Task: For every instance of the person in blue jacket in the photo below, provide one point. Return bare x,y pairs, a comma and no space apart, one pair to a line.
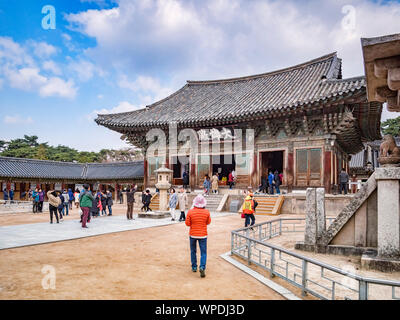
271,180
5,195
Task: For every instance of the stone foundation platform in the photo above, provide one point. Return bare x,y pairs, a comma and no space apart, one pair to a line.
371,261
155,215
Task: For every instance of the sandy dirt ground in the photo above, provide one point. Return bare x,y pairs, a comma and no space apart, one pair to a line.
151,263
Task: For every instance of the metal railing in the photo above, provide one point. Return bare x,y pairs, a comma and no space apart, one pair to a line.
313,277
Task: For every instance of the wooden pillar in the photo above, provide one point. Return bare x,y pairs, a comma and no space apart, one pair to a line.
290,172
145,173
192,177
327,171
115,192
254,173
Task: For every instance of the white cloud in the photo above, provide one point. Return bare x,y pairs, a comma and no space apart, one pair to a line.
50,65
84,70
17,119
58,87
144,85
43,50
123,106
25,78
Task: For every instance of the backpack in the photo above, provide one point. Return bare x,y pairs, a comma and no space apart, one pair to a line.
255,204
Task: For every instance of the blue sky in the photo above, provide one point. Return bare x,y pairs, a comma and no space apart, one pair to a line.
113,56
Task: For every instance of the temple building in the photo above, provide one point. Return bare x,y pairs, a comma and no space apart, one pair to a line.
304,121
20,175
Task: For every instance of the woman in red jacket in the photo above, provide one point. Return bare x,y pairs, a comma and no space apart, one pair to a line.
197,219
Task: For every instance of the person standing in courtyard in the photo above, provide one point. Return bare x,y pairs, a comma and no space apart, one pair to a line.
198,219
71,198
76,197
86,203
206,185
5,195
41,200
173,201
94,210
11,195
344,181
61,205
35,199
183,201
147,201
54,202
130,199
110,202
66,203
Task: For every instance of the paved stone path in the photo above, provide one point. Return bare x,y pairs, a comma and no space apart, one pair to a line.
39,233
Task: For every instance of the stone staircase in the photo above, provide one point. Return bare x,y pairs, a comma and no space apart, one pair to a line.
213,201
268,204
155,202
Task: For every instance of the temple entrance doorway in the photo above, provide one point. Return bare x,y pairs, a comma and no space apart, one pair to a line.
223,165
271,161
179,166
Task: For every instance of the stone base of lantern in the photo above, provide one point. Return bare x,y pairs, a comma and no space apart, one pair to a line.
155,214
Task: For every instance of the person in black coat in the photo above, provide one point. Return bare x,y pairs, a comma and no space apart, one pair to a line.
103,204
278,181
264,185
94,210
147,201
110,202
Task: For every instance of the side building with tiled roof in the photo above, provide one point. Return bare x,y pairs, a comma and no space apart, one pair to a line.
307,122
24,174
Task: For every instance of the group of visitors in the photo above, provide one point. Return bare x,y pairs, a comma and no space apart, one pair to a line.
8,195
146,201
271,183
38,200
180,199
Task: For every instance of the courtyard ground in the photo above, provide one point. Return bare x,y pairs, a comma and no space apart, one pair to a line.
150,263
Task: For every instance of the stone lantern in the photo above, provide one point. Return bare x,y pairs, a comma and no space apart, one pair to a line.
164,178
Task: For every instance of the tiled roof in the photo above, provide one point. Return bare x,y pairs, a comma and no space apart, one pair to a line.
43,169
358,160
230,100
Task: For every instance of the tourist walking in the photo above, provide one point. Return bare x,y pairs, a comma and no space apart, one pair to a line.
248,210
271,182
66,203
143,200
214,183
278,182
173,201
70,198
110,202
35,197
197,219
264,185
61,205
183,201
41,200
86,203
344,181
130,199
54,202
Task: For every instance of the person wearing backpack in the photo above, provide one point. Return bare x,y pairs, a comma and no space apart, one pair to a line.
248,210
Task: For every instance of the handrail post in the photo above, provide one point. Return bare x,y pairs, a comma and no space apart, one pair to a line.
272,263
304,278
363,290
249,251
